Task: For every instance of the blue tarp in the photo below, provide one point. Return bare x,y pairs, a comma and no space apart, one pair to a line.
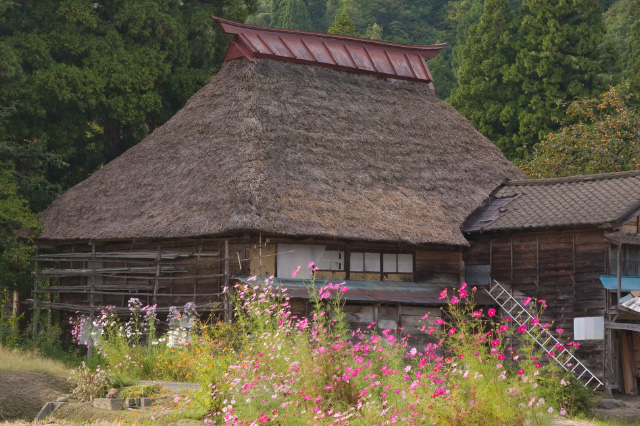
610,282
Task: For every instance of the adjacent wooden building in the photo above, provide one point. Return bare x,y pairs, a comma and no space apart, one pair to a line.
304,147
574,242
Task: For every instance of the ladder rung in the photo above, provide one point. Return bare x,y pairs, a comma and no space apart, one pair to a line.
521,316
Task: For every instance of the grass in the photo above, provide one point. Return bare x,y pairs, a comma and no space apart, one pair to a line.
30,361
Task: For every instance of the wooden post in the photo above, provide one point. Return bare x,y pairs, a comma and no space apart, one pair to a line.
619,276
156,281
92,305
35,299
229,293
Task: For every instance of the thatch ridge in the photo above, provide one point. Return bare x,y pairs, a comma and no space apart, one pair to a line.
298,150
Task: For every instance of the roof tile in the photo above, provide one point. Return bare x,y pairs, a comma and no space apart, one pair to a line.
580,200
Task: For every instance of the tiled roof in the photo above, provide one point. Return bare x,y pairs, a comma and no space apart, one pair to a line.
330,51
604,200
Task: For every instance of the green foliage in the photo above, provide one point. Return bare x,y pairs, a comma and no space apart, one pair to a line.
317,12
95,78
618,21
374,32
483,96
633,47
599,135
558,59
18,224
293,14
343,25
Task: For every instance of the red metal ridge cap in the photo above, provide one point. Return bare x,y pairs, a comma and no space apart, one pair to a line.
352,54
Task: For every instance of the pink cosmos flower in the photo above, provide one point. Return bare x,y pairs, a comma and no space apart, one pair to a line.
477,314
452,331
492,312
501,357
293,274
559,330
535,321
310,265
344,289
463,294
543,302
521,372
495,342
443,294
526,301
522,329
454,300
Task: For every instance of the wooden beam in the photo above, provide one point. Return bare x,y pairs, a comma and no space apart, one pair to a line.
619,274
621,326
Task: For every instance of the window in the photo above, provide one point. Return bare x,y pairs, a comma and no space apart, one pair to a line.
391,262
365,262
588,328
397,263
629,259
332,260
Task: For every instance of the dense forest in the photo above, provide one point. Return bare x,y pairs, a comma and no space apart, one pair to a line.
554,84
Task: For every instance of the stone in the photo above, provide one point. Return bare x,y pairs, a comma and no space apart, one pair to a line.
113,393
47,409
63,399
608,404
109,403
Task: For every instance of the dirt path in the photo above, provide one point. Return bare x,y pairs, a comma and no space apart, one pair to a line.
561,421
22,395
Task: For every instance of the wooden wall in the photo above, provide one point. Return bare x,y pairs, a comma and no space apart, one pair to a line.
562,267
193,272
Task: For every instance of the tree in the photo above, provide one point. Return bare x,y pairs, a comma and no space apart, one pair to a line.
633,47
600,135
18,224
95,78
558,59
374,32
317,12
343,25
483,96
293,14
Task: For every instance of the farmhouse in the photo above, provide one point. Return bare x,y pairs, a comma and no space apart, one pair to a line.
304,147
574,242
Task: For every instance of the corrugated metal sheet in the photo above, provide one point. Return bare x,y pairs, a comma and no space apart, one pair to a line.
331,51
610,282
377,291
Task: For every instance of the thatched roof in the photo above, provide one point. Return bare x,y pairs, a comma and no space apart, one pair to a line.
605,200
293,149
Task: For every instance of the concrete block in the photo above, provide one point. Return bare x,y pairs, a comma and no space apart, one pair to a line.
138,402
109,403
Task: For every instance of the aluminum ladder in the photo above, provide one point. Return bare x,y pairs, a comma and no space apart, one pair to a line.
521,316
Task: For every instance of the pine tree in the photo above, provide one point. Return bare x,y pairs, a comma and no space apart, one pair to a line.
558,60
293,15
483,96
343,24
